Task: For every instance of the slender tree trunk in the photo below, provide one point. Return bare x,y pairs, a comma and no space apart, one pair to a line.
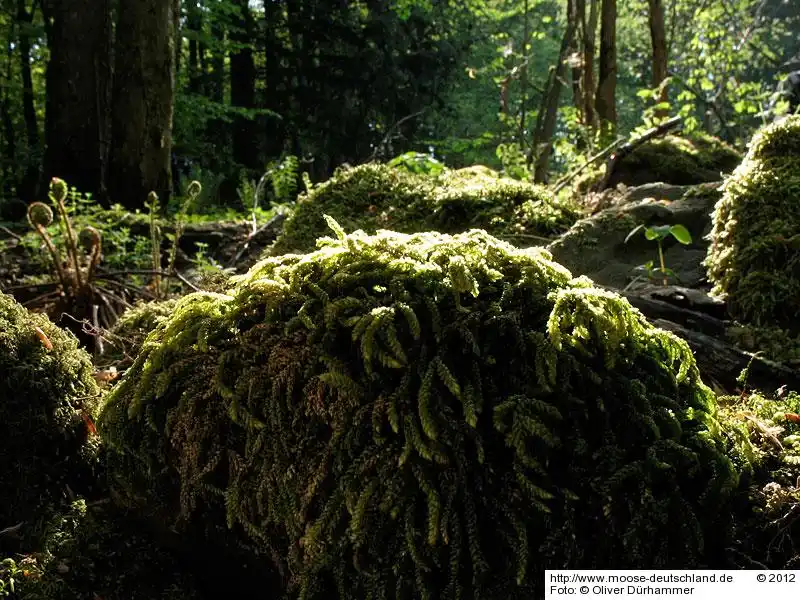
144,94
589,84
9,136
605,99
194,22
543,141
243,87
658,39
27,191
523,79
78,83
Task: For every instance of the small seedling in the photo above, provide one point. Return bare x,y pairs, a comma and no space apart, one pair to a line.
659,233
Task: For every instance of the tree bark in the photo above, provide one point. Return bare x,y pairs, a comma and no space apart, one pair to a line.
27,190
144,94
243,87
546,126
605,99
589,30
658,38
9,136
78,84
194,22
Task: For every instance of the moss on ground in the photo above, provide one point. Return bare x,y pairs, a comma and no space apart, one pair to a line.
91,551
375,196
675,160
48,398
426,416
133,326
754,257
768,520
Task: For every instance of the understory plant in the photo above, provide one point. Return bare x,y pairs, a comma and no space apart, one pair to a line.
424,416
659,233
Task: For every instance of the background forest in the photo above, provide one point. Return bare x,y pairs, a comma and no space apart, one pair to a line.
121,97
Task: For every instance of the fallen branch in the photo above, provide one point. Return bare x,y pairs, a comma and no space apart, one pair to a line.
648,135
570,176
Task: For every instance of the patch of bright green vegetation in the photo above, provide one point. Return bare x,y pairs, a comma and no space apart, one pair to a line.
375,196
47,400
425,415
676,160
754,257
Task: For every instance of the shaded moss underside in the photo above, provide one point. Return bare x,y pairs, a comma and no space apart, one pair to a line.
47,393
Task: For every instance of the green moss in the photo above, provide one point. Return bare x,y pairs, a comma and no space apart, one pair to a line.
754,257
678,161
426,415
374,196
47,393
133,326
767,521
92,551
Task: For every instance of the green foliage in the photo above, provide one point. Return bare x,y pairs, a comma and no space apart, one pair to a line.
47,400
425,416
753,259
375,196
659,233
416,162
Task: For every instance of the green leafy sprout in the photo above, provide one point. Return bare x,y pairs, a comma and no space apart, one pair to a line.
659,233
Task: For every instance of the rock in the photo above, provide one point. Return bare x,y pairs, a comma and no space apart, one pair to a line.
596,246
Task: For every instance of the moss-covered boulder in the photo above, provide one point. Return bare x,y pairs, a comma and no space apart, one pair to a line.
426,415
131,329
677,160
47,400
375,196
754,257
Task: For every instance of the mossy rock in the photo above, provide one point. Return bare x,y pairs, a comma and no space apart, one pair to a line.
754,257
376,196
47,400
426,415
675,160
93,550
767,522
133,326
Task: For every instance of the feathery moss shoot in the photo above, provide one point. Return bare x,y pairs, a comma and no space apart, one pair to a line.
47,400
754,257
427,416
376,196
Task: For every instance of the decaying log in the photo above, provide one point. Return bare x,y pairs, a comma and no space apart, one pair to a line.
699,320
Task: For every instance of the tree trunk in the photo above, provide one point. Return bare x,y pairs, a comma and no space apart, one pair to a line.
589,29
194,22
658,38
546,127
605,99
243,87
27,191
9,135
78,83
144,93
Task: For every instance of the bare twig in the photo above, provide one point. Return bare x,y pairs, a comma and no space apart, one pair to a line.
11,233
